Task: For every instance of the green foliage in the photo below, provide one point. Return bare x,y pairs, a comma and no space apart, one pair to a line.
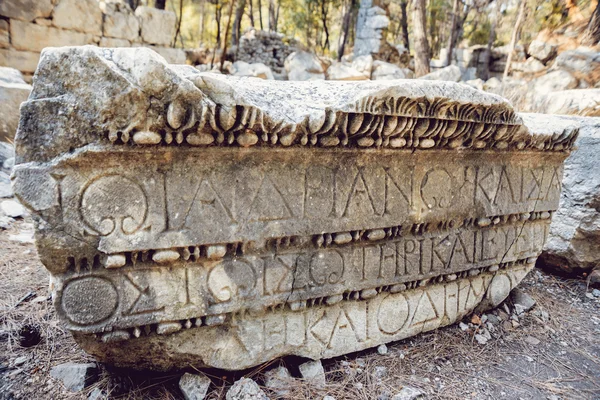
304,21
481,33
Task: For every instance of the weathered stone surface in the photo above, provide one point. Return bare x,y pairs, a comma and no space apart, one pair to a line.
114,42
74,376
119,21
304,66
194,386
450,73
269,48
33,37
530,66
584,102
258,70
279,380
4,34
342,72
363,64
371,23
313,373
224,221
574,241
172,55
25,10
10,75
386,71
541,50
583,62
245,389
24,61
79,15
157,26
13,91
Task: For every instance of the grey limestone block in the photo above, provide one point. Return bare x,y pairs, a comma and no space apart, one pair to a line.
198,219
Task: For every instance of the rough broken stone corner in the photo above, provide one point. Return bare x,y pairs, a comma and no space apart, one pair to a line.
207,220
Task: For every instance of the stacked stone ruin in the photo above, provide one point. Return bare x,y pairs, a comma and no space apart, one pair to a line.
269,48
191,218
28,26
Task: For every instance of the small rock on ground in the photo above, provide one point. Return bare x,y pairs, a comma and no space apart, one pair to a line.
596,293
194,386
328,398
532,340
245,389
97,394
380,372
74,376
12,208
522,299
408,393
382,349
313,372
278,380
481,339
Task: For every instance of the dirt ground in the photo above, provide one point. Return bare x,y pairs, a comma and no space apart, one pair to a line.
550,352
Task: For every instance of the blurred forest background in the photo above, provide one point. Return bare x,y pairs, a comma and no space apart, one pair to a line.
327,27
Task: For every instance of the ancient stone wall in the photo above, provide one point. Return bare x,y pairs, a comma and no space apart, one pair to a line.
223,221
28,26
269,48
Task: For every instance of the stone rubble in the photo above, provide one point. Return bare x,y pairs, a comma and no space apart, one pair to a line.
12,208
450,73
268,48
278,380
75,377
541,50
313,372
13,91
573,244
522,301
342,72
245,389
194,386
257,70
371,23
408,393
304,66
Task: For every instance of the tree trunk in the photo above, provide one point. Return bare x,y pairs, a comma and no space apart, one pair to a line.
485,74
178,31
160,4
420,38
251,12
237,22
276,24
271,15
218,14
226,34
260,15
404,24
515,34
591,36
202,20
324,22
452,34
345,29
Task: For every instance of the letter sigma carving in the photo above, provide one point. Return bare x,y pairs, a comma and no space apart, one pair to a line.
113,204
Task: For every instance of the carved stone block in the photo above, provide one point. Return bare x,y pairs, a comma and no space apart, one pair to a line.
220,221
